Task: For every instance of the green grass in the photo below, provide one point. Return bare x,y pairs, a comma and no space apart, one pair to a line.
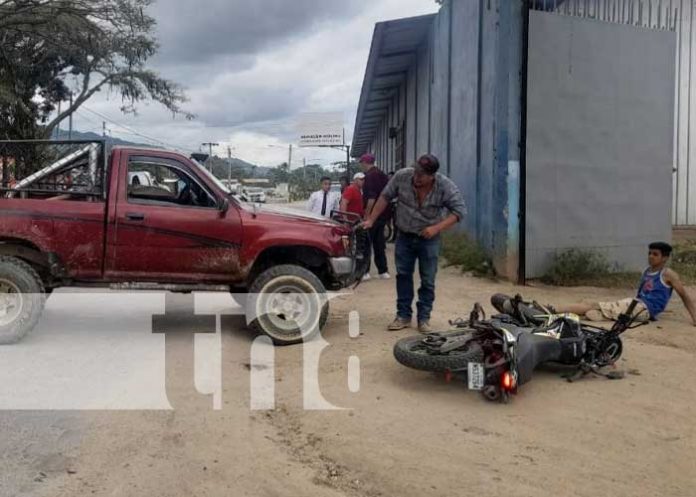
572,267
462,252
577,267
587,268
684,261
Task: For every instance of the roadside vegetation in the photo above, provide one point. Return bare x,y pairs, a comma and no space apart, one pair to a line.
577,267
574,267
684,261
589,268
462,252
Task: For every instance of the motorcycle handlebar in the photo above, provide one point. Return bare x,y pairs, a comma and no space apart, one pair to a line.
349,218
627,319
632,307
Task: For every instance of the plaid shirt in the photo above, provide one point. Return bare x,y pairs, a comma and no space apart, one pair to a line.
443,200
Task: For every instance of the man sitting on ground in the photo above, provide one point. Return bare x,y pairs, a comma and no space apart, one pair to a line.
654,292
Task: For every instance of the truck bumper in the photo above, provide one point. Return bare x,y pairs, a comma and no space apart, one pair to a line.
342,266
350,269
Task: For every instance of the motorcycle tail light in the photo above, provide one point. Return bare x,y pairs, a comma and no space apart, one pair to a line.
507,381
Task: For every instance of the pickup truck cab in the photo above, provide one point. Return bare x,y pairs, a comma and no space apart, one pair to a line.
148,219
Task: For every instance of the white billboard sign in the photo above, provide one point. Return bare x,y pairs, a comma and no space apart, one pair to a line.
323,129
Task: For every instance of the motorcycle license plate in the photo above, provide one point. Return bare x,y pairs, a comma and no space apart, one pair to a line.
476,376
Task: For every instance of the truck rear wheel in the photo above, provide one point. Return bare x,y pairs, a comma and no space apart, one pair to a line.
288,303
21,299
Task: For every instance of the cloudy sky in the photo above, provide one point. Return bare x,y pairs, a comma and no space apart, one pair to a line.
250,68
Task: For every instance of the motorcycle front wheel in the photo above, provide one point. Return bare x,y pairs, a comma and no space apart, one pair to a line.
412,352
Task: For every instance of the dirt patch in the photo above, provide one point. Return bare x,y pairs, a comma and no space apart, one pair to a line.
309,449
410,433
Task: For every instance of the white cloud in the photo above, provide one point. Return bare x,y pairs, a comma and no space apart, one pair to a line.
252,100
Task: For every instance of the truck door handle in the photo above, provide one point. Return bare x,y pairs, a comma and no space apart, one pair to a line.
135,216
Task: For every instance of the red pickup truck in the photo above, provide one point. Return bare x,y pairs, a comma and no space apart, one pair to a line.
72,214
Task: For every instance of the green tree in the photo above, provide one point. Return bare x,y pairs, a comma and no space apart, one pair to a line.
50,47
281,173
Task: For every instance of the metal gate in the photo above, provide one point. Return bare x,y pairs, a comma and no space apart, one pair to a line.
600,128
674,15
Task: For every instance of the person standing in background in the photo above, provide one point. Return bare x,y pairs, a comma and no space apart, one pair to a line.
324,201
344,183
352,200
375,182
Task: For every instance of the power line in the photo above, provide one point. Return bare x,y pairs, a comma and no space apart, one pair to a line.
137,133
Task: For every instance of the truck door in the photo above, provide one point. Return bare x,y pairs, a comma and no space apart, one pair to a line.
170,228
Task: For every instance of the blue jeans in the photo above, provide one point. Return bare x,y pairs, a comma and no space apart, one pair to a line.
409,249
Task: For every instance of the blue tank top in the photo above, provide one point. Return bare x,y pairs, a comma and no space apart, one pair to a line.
654,292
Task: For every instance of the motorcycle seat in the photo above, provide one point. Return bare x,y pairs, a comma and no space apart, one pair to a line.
514,330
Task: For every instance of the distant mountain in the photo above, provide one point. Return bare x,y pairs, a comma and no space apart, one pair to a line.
220,166
237,168
110,141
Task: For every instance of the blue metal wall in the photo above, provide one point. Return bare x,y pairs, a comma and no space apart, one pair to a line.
461,102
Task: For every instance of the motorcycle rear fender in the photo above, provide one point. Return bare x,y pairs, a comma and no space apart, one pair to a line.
532,350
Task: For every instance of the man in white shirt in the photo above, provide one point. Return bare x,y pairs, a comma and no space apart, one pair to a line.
324,201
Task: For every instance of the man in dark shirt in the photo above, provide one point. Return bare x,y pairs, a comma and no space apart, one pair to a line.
429,203
375,182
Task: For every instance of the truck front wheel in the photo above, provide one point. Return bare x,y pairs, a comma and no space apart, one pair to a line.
288,303
21,299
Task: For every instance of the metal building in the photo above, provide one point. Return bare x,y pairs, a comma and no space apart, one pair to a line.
512,96
684,211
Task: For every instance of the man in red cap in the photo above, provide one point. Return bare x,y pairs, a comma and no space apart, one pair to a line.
375,182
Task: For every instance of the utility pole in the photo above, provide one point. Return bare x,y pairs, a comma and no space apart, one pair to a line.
290,159
229,167
104,129
70,118
58,127
210,146
304,169
347,147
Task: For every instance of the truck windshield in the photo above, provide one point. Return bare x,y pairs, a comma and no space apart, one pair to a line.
212,177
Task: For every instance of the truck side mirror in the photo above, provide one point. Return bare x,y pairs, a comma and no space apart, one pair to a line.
224,207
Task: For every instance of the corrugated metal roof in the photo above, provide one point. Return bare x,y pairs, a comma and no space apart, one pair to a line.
394,49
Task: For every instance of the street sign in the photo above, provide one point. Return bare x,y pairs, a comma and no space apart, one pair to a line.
323,129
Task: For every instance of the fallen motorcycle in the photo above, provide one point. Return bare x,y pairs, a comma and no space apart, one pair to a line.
498,355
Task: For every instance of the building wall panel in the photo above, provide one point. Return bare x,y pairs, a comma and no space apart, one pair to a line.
439,89
423,104
600,139
411,114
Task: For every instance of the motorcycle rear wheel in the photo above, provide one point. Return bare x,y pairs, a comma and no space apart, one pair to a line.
413,354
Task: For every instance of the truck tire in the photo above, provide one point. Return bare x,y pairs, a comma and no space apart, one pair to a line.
288,303
22,299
